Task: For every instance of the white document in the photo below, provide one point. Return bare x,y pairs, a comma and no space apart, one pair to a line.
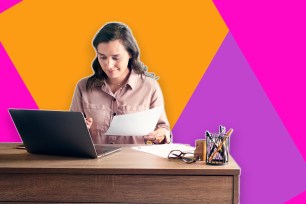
164,149
135,124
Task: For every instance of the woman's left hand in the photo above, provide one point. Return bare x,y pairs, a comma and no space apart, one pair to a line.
157,136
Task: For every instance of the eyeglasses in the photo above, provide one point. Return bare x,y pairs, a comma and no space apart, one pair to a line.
187,157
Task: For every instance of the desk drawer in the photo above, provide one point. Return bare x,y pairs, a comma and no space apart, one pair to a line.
116,188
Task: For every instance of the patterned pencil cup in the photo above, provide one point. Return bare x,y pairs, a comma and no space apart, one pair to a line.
217,149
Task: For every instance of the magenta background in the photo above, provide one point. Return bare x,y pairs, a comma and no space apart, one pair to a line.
255,84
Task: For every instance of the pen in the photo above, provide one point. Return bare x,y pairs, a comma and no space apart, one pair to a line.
208,135
220,145
221,129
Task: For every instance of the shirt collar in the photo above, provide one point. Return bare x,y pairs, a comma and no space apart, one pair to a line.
132,80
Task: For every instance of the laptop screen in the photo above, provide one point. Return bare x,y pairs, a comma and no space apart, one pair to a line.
54,132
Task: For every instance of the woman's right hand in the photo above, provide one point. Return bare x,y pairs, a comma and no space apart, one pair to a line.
88,122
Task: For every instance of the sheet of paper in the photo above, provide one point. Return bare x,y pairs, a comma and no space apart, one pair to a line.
164,150
135,124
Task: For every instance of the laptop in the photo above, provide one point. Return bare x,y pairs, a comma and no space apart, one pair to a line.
57,133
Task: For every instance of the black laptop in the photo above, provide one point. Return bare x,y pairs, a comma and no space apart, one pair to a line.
57,133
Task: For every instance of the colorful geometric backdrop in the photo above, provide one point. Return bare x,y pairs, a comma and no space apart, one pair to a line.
237,63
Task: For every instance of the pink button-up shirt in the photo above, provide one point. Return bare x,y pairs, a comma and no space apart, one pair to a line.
138,94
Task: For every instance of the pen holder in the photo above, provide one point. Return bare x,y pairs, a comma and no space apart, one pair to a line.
217,149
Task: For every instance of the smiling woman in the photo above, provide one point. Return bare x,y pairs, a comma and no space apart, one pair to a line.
114,59
120,85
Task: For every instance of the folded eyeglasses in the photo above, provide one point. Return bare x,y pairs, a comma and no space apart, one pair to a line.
187,157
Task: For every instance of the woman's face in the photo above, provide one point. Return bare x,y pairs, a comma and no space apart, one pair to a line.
113,59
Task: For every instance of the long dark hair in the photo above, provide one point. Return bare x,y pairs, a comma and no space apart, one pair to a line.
110,32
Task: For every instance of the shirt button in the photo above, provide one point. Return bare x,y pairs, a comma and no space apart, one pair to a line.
114,99
114,114
111,143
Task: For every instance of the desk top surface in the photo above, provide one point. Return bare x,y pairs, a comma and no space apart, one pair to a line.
126,161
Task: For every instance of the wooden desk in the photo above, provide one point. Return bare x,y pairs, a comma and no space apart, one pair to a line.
127,176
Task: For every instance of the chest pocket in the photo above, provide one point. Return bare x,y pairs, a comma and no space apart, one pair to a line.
101,115
125,109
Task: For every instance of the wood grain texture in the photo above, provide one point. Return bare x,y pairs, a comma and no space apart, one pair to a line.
128,176
116,188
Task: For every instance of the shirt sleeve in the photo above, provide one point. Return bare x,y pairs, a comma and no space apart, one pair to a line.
76,105
158,100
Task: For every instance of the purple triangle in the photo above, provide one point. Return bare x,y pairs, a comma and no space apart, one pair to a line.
272,169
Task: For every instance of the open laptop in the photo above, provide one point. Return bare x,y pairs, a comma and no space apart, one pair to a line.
57,133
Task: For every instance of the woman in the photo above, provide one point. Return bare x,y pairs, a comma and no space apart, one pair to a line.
120,85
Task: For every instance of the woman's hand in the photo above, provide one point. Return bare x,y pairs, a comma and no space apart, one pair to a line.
88,122
157,136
